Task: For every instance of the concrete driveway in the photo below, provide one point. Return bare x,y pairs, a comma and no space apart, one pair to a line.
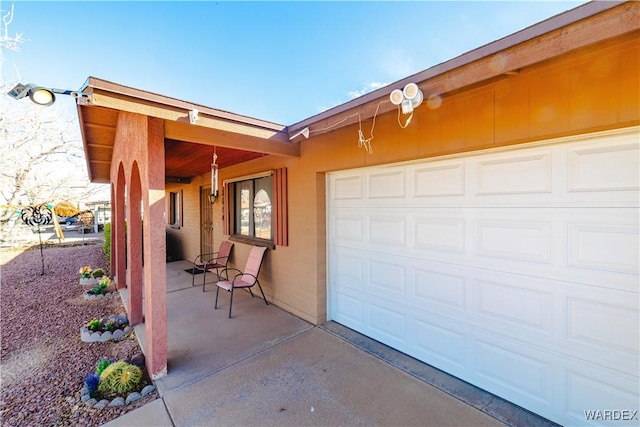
267,367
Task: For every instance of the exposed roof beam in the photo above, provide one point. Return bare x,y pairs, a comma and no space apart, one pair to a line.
101,127
214,137
173,113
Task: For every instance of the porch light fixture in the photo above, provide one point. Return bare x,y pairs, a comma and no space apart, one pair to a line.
409,98
214,179
41,95
304,132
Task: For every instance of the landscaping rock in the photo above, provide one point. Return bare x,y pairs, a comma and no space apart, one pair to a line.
138,360
147,390
91,402
118,401
101,404
133,397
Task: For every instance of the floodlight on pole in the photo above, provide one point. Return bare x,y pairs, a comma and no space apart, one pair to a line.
41,95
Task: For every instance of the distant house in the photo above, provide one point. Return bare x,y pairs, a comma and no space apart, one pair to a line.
494,235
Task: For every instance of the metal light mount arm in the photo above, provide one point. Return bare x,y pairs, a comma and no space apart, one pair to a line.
42,95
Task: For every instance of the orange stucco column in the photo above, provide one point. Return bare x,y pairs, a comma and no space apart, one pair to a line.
118,231
155,276
134,247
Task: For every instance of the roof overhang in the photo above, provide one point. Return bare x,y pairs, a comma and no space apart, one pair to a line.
189,146
574,29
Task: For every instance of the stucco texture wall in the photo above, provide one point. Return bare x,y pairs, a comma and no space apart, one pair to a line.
593,89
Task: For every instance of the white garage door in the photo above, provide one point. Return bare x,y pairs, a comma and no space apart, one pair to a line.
515,270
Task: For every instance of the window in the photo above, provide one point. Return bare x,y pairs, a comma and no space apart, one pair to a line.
255,208
175,209
252,208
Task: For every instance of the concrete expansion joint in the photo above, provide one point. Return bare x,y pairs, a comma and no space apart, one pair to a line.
166,408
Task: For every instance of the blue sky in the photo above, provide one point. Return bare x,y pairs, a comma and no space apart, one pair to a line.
277,61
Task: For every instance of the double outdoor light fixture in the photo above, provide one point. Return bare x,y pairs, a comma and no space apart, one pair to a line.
41,95
409,98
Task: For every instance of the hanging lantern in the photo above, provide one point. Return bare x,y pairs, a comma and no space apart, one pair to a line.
214,179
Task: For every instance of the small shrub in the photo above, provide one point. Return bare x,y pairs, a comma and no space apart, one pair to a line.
106,246
110,325
94,324
102,365
92,381
85,272
97,273
101,286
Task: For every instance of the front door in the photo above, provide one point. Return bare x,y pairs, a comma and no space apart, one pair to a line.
206,221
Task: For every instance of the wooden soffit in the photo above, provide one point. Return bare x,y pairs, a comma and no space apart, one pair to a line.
241,138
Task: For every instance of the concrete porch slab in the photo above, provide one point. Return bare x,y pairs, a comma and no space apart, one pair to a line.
202,340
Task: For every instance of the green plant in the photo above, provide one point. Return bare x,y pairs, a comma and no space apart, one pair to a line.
94,324
106,246
85,272
97,273
110,325
120,378
102,365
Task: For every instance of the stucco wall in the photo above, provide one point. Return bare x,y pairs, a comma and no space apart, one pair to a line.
593,89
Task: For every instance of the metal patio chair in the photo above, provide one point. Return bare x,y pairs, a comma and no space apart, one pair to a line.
211,261
243,279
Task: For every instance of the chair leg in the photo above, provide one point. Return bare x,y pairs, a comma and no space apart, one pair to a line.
217,291
193,275
263,297
204,277
231,302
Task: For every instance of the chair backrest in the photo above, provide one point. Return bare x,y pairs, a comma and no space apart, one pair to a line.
253,263
224,252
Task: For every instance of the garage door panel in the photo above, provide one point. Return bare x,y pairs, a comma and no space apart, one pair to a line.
612,247
520,240
441,346
387,276
348,227
598,168
528,173
390,184
604,327
389,324
517,271
439,288
508,304
442,179
521,372
347,187
593,388
350,310
349,269
387,230
439,233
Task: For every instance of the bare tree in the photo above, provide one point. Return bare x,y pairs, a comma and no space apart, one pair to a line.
41,155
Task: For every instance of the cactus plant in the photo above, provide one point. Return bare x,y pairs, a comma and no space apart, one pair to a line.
120,378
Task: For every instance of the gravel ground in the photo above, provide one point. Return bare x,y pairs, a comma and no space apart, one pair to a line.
43,361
